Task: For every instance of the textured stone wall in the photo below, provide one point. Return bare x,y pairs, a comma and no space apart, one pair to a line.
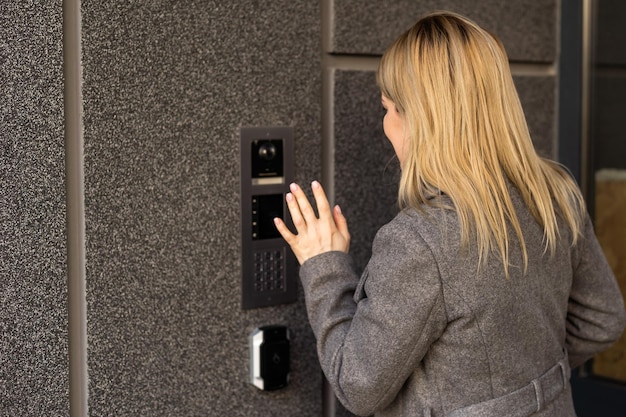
33,293
167,85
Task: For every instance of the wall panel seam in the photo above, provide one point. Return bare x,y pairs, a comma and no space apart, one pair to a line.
75,214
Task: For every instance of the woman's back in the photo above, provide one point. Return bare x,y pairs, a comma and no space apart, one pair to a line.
433,334
501,333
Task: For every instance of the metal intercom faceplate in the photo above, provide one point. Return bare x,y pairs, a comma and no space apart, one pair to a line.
268,267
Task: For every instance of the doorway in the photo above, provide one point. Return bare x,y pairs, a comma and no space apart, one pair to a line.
600,385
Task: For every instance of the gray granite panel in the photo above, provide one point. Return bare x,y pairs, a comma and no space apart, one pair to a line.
366,169
608,122
33,290
538,97
167,85
526,27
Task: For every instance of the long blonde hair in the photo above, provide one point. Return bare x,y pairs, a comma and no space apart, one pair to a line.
467,134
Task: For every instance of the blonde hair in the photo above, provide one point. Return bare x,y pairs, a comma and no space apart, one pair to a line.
467,134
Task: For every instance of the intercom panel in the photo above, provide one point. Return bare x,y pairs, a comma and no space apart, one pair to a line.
268,267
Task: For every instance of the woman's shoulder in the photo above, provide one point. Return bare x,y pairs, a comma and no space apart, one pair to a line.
428,224
434,215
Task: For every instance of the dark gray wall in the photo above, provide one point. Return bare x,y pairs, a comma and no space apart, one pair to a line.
526,27
167,85
33,299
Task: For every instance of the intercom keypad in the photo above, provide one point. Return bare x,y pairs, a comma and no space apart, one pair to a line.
269,271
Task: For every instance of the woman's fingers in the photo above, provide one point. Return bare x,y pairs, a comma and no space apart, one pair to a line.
303,203
284,231
323,208
294,211
302,208
313,235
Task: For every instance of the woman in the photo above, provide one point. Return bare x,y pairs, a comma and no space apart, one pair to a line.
490,284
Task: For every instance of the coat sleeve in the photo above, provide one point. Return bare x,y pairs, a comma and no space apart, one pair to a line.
370,343
595,316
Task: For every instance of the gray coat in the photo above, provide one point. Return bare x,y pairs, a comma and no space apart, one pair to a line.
425,332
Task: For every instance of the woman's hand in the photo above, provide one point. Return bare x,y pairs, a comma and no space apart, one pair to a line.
314,235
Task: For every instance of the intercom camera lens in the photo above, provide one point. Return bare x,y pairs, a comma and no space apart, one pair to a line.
267,151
